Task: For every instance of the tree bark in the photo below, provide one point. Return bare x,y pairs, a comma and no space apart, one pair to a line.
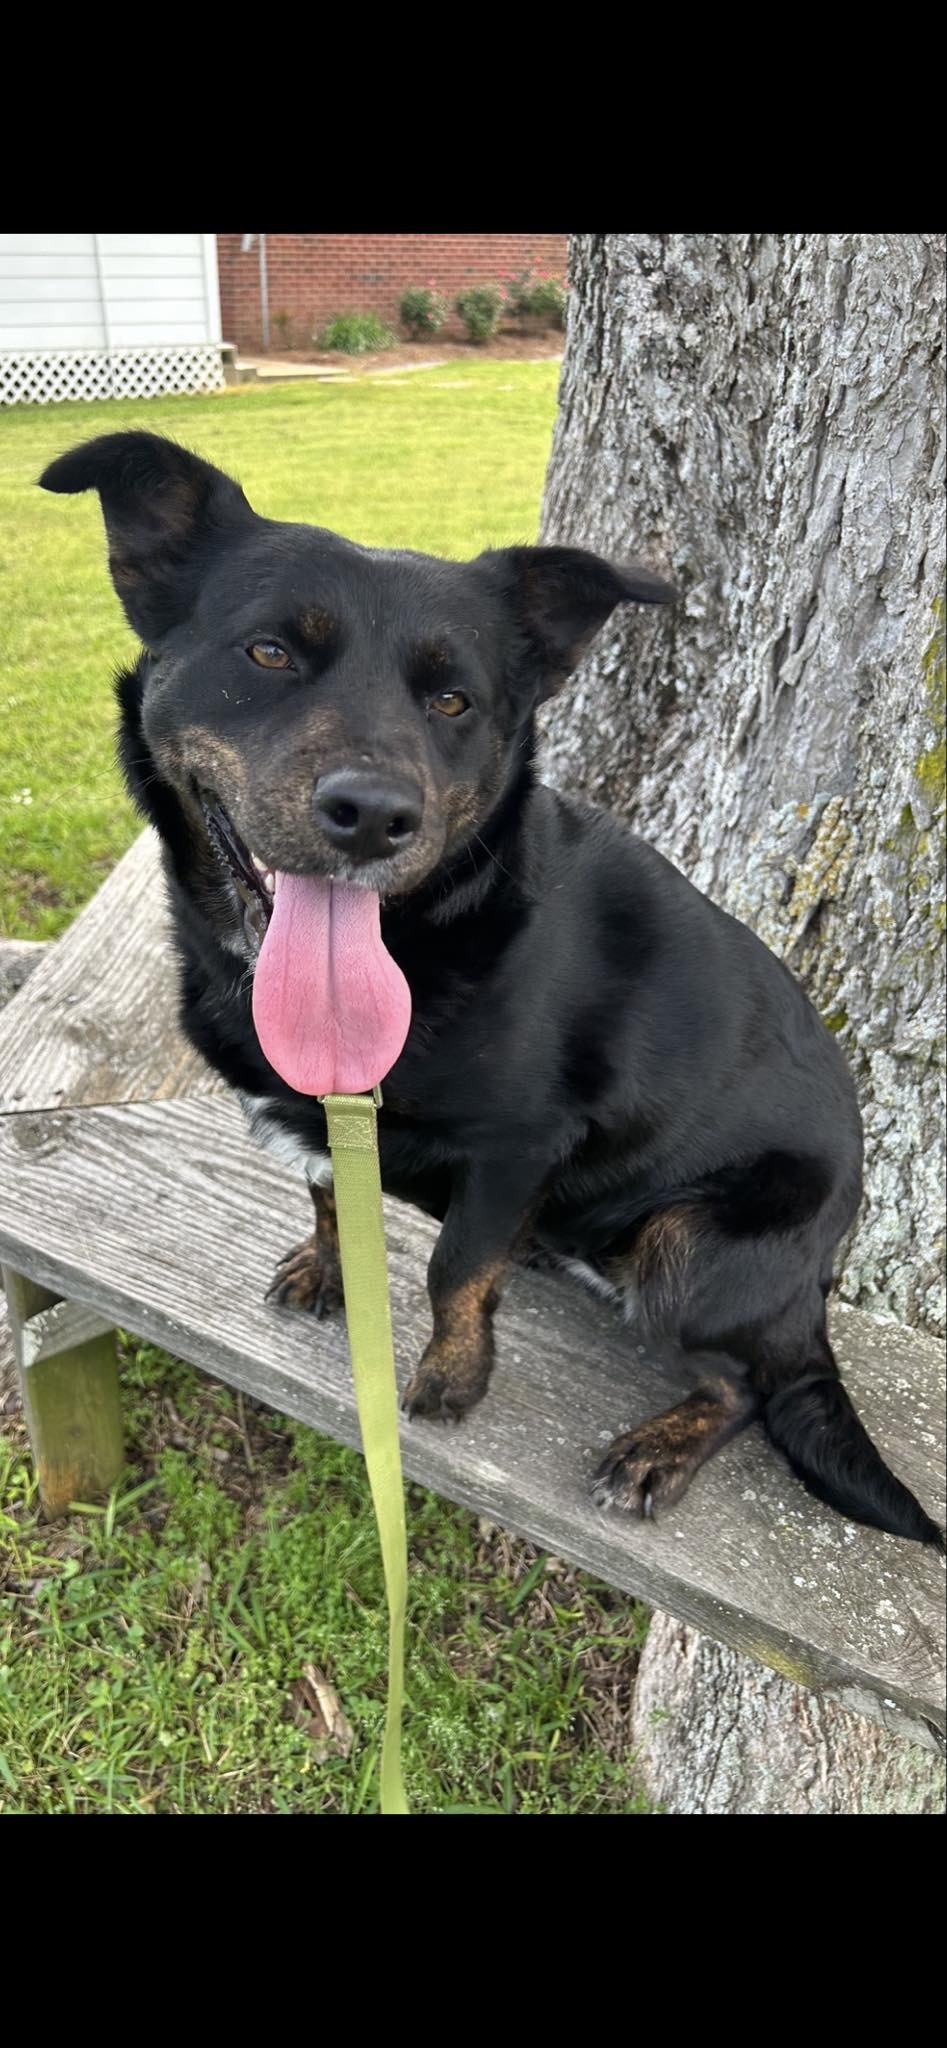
762,417
716,1733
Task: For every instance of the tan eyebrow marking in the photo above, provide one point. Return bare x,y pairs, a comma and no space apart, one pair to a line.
428,658
317,626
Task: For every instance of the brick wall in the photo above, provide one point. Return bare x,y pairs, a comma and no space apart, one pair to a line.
313,276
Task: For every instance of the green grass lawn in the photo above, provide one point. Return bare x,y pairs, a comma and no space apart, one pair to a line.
152,1652
448,460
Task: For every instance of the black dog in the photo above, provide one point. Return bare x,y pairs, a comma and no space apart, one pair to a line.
600,1069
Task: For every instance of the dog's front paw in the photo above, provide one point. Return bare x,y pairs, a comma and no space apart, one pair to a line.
444,1394
643,1470
429,1393
305,1280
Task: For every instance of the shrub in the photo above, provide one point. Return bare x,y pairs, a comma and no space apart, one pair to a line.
479,309
423,311
355,334
538,298
548,300
283,323
517,295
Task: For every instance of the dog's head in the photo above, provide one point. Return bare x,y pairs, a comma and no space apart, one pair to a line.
319,707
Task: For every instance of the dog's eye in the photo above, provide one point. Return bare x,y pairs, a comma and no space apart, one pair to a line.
451,703
269,654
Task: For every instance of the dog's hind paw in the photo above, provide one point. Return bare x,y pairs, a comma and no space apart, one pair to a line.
644,1470
652,1465
304,1281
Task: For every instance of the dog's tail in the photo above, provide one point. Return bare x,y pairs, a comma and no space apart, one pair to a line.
812,1420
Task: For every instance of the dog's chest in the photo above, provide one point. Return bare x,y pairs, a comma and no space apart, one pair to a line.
268,1129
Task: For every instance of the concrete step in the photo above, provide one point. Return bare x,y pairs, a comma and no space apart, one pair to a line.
275,370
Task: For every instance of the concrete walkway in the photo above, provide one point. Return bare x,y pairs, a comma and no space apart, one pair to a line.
280,370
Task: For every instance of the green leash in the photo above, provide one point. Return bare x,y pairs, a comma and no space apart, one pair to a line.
353,1142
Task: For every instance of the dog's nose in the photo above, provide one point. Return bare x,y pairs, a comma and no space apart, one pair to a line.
369,816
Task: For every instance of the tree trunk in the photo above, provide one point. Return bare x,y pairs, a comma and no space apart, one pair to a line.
716,1733
763,417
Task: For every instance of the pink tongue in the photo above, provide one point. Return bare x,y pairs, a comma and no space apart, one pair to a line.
330,1006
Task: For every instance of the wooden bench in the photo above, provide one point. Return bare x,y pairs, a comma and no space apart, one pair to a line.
131,1196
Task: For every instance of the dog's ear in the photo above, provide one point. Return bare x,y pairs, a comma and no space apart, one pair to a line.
164,511
561,596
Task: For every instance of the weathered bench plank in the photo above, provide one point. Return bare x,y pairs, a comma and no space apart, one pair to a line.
98,1019
164,1217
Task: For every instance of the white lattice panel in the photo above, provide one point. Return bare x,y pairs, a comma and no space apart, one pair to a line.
47,375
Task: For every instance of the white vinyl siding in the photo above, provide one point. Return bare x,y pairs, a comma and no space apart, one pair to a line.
149,304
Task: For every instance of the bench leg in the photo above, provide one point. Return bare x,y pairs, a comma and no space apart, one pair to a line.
68,1368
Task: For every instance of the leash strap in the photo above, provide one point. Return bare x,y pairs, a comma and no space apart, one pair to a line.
353,1142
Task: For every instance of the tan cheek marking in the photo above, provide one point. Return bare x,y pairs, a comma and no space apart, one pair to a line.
466,802
209,758
286,775
462,805
287,763
319,729
278,774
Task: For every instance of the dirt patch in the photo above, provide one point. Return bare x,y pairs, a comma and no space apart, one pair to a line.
35,890
506,347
